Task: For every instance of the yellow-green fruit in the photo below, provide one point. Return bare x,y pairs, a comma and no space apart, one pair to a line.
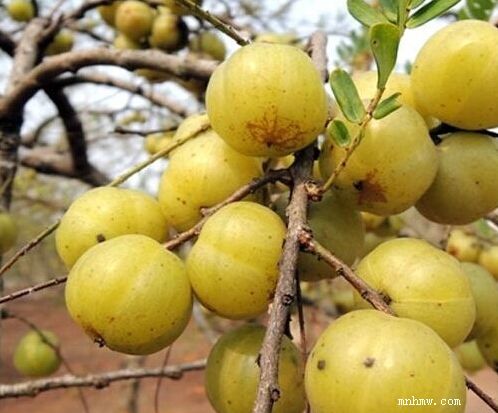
34,357
201,173
131,294
366,84
463,246
380,174
104,213
21,10
210,44
373,240
423,283
372,221
154,76
63,42
123,42
8,232
454,77
134,19
267,100
465,188
156,142
489,259
233,266
108,13
470,357
232,373
335,225
368,361
168,32
485,292
488,344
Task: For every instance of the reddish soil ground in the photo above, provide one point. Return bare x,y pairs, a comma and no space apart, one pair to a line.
183,396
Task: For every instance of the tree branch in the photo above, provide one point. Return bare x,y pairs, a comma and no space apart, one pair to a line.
54,66
97,381
103,79
285,294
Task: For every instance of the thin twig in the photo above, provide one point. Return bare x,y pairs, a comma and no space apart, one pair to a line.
215,21
486,398
98,381
30,290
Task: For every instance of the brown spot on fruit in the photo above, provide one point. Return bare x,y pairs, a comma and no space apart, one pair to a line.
369,362
101,238
321,364
370,190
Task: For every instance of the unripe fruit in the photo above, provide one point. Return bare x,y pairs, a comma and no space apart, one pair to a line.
179,9
366,361
169,32
201,173
470,357
123,42
210,44
271,115
131,294
21,10
465,188
8,232
233,266
488,344
489,260
485,293
463,246
108,13
104,213
373,240
436,292
454,79
156,142
134,19
335,225
378,177
63,42
232,373
34,357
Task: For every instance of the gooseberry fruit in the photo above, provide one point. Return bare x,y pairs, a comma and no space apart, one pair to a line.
470,357
267,100
201,173
134,19
62,43
423,283
489,259
208,43
367,361
104,213
35,355
232,373
108,13
465,188
454,77
463,246
233,266
488,345
169,32
379,176
130,294
8,232
21,10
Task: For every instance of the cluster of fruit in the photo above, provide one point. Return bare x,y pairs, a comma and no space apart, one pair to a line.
24,10
140,26
267,101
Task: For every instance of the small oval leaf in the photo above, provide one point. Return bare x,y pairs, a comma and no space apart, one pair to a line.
387,106
481,9
430,11
390,9
347,96
365,13
384,42
338,132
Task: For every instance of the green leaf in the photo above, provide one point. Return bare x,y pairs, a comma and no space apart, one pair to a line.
481,9
365,13
347,96
416,3
338,132
387,106
463,14
430,11
384,42
403,10
390,9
